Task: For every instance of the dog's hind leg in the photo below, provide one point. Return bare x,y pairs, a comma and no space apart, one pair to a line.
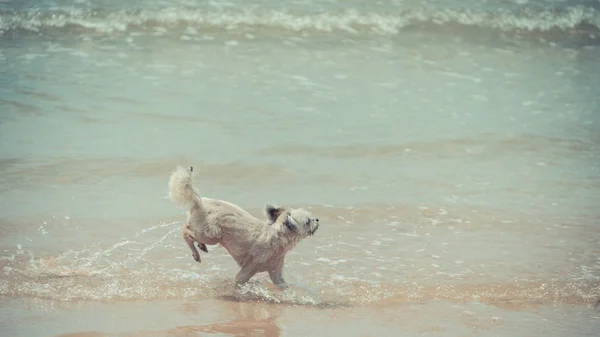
190,239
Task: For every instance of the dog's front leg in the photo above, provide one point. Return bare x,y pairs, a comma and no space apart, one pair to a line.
276,275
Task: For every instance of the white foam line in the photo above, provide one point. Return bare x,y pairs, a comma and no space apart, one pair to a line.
408,234
351,21
348,244
460,76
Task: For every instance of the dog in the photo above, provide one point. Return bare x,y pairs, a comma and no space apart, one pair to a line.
256,245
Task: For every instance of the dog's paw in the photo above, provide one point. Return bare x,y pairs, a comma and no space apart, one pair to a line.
203,247
196,256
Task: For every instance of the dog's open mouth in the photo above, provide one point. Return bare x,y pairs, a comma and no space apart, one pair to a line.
312,232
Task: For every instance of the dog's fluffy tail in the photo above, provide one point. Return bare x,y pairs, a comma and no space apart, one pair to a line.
181,189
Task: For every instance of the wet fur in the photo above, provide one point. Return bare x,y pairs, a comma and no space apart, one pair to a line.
256,245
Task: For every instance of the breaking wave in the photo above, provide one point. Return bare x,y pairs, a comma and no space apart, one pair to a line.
349,21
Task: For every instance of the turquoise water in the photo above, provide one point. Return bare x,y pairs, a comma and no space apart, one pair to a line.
445,144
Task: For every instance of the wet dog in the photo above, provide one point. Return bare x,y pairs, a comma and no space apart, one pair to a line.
256,245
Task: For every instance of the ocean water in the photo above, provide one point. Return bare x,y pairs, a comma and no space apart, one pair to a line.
451,150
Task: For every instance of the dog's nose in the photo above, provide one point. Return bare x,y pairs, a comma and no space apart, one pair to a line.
317,219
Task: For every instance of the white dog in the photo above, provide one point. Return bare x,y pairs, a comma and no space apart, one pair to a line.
256,245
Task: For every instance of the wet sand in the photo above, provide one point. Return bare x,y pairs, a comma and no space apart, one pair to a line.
225,317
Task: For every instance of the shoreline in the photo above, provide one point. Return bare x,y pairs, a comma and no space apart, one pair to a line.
237,318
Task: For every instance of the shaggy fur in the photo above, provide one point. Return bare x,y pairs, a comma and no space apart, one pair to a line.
256,245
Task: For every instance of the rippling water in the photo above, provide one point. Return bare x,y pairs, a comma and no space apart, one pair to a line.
450,149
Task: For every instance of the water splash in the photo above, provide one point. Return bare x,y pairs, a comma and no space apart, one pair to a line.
153,264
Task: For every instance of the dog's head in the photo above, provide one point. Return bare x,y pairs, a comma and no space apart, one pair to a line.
296,221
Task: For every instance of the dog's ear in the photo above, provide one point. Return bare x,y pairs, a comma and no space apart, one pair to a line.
273,212
290,223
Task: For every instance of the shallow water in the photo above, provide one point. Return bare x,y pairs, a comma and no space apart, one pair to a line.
450,150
